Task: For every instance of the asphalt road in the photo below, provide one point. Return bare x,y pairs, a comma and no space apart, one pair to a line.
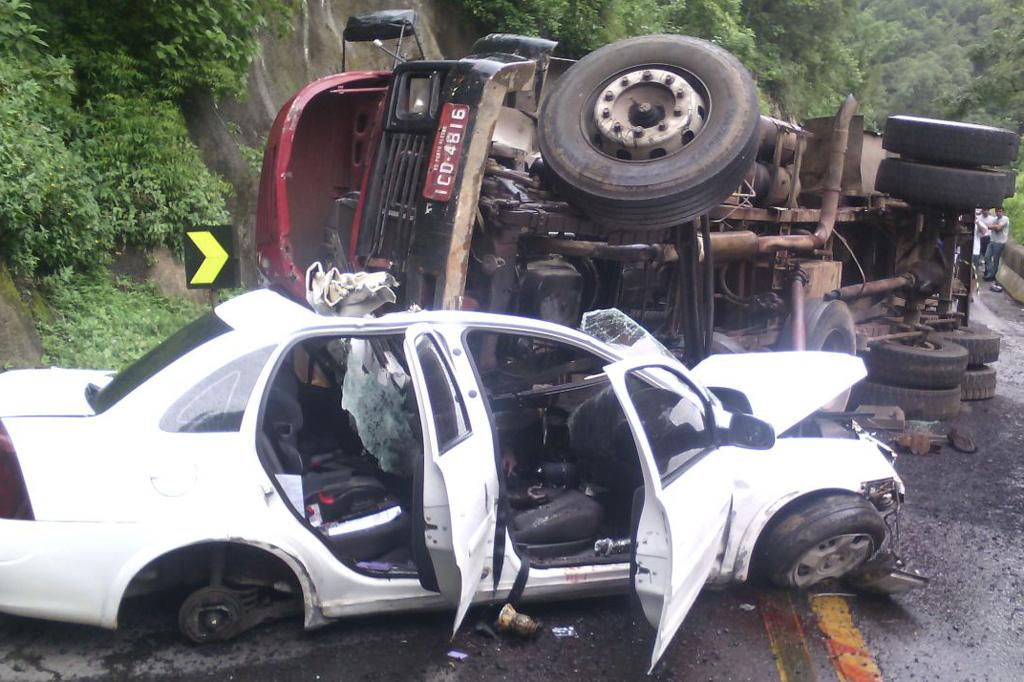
964,526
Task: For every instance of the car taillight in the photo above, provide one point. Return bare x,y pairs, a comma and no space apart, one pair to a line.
14,502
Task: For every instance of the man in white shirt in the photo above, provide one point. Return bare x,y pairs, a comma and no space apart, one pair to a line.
981,237
1000,229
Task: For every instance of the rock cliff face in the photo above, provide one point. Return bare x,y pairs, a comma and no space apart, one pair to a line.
19,342
311,49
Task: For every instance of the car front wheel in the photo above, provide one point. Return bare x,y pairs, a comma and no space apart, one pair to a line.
826,537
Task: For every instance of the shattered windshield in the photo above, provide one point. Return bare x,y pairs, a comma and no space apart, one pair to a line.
622,332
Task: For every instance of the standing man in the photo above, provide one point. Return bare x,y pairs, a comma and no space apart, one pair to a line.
1000,229
981,237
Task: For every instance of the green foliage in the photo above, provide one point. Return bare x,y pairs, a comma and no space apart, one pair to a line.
47,210
798,76
917,54
169,48
150,179
1015,211
106,323
583,25
804,60
996,93
94,151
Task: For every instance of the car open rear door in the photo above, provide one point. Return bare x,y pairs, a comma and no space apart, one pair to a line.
459,477
687,489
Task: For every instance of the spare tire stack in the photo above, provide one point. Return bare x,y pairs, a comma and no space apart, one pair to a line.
947,164
929,379
982,345
923,378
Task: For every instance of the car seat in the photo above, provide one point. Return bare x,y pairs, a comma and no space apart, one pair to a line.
563,523
355,513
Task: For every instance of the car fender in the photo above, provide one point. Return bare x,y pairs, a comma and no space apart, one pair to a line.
767,481
311,601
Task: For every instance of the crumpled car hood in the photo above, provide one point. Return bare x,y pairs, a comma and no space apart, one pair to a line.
782,387
47,392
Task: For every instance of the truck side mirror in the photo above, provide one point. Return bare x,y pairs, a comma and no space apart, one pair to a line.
389,24
747,431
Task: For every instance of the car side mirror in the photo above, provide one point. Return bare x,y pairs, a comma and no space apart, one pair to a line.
746,431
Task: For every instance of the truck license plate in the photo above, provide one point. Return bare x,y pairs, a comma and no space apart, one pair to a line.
444,158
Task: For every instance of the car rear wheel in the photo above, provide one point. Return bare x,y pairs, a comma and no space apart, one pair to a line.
650,132
826,537
213,614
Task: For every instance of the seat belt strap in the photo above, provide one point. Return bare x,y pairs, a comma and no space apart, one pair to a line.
520,583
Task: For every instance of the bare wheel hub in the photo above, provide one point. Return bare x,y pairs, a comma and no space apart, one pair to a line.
832,558
646,114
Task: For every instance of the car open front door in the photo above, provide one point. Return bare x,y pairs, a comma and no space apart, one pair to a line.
459,478
687,489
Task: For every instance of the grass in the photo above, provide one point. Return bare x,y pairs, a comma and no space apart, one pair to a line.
1015,210
103,322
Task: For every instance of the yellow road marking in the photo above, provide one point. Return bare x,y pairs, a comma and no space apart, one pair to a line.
786,638
846,646
214,257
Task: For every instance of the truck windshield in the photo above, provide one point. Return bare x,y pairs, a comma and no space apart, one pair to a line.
187,338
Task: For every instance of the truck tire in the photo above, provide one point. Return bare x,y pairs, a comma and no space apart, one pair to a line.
982,343
825,537
660,177
950,142
918,183
916,403
830,328
979,384
937,363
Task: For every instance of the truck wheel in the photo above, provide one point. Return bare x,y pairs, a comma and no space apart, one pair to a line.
917,403
979,384
918,183
950,142
982,344
650,132
935,363
830,328
823,538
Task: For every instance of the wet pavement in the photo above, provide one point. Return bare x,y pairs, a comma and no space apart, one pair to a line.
963,526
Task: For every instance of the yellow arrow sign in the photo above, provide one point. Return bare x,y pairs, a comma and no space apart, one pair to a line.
214,257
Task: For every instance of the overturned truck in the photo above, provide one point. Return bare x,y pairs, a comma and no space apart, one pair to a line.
641,177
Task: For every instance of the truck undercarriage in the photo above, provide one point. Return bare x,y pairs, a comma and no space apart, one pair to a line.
513,181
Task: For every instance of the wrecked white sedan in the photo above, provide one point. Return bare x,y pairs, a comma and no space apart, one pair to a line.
274,460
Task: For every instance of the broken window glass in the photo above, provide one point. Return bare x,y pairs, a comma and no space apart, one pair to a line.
378,393
622,332
217,403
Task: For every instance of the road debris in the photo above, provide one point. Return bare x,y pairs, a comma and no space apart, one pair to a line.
563,631
747,607
882,417
482,628
610,546
920,442
962,441
345,293
457,655
510,620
